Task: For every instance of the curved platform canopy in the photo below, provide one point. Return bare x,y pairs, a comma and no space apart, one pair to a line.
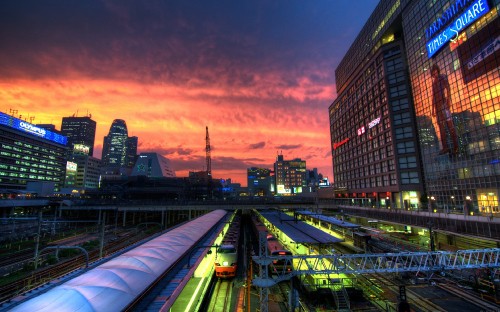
115,284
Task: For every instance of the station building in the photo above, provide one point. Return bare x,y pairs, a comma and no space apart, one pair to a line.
416,121
29,153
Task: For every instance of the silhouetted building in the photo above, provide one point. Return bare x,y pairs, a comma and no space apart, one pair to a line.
119,150
260,182
79,130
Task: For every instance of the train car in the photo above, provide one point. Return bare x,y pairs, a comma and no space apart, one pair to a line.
275,248
226,259
116,284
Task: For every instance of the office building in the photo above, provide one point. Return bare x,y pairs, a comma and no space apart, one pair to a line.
29,153
79,130
290,176
416,120
260,182
131,154
87,172
153,165
118,149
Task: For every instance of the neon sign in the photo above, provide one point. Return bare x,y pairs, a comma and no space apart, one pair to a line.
71,166
374,122
339,144
32,129
24,126
361,130
475,11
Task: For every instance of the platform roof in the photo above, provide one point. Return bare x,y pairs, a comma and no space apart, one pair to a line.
331,220
300,232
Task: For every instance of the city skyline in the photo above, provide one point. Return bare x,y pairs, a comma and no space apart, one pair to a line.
259,75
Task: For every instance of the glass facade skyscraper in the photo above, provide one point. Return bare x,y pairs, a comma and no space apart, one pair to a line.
119,150
416,121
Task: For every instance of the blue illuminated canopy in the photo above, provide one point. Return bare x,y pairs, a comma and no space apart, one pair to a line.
473,12
27,127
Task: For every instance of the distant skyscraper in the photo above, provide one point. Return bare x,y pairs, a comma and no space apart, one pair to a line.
118,149
131,154
79,130
290,175
259,181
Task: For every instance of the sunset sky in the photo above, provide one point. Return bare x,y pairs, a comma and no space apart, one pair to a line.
259,73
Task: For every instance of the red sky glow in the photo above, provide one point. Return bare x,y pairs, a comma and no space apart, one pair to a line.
260,75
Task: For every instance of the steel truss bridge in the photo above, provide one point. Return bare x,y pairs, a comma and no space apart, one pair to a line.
436,261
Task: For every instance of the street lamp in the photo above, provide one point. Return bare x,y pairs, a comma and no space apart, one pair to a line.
432,204
453,202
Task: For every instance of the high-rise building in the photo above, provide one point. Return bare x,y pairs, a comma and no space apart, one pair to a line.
290,175
416,118
153,165
29,153
79,130
259,182
131,154
118,149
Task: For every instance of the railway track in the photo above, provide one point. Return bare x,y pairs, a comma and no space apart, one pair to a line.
221,298
424,305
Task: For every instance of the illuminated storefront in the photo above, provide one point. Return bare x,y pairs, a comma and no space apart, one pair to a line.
29,153
417,114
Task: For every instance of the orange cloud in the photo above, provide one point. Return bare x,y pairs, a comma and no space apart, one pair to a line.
171,120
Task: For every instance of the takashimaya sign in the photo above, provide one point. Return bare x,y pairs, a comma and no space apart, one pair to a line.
339,144
460,20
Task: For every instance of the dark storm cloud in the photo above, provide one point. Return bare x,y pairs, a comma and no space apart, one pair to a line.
288,146
172,41
166,151
257,145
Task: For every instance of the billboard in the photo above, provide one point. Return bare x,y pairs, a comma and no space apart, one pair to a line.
32,129
478,54
81,149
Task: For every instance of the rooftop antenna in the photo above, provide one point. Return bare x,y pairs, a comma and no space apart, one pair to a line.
208,157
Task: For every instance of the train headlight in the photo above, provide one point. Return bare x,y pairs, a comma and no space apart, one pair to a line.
217,264
225,263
